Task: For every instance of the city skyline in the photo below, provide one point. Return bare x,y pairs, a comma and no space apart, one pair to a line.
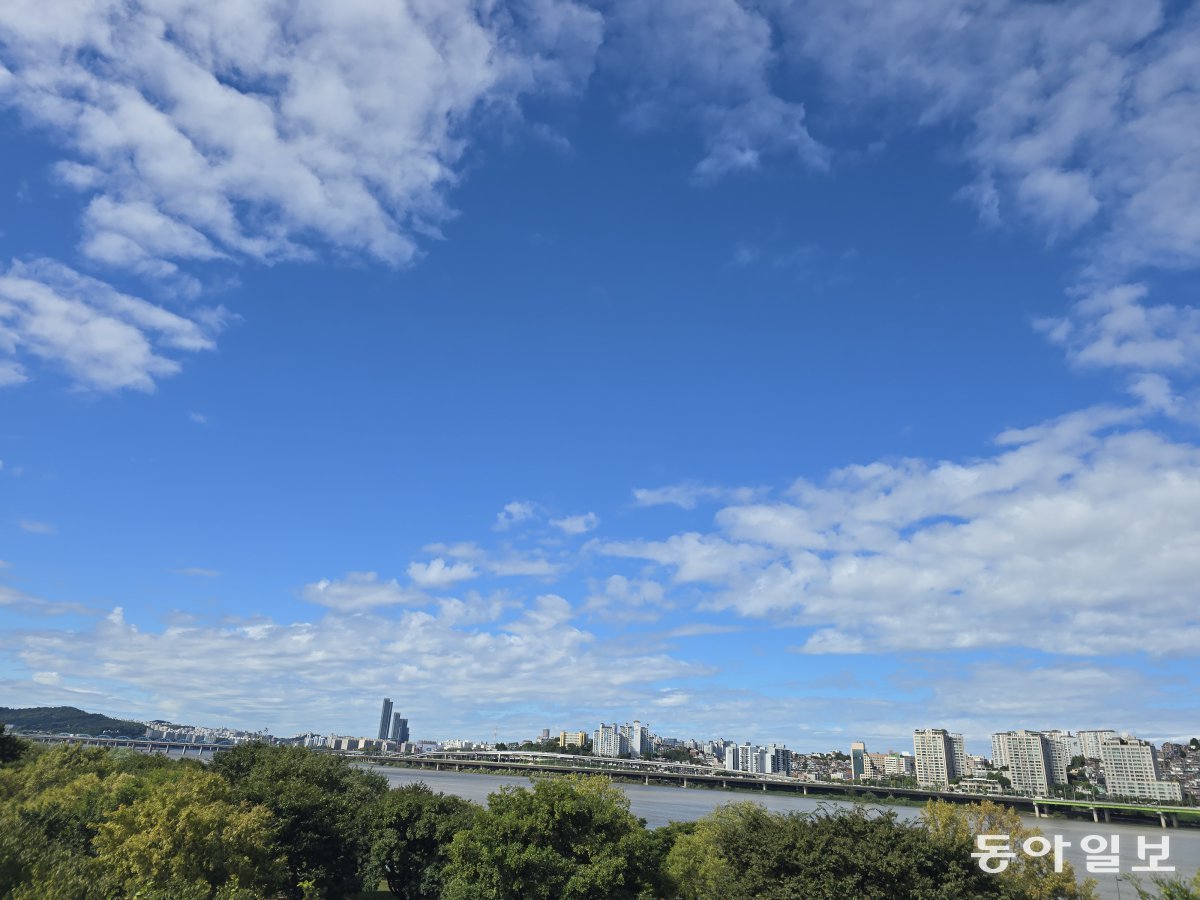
808,372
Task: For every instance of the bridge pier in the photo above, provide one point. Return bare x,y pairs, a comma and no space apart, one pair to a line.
437,767
724,783
685,782
647,779
1095,814
1037,813
1108,815
805,789
764,787
1162,819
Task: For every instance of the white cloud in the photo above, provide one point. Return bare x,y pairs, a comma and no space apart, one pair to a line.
576,524
19,601
1073,113
514,513
688,495
202,130
627,599
33,526
1113,327
103,339
707,64
1073,538
361,591
329,674
436,574
528,566
694,557
198,418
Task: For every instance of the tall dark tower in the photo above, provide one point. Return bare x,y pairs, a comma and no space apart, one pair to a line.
399,729
385,718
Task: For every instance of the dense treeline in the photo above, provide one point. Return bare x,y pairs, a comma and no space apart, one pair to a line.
69,719
274,822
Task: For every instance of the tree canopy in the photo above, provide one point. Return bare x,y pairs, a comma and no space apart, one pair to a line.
568,838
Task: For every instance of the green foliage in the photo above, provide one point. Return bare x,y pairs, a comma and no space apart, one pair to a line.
409,834
742,850
84,823
568,838
189,838
56,719
12,747
676,754
1026,877
318,803
1164,887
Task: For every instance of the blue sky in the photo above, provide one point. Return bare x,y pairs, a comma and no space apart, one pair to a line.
781,372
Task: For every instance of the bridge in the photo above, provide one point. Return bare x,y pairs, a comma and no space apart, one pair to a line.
681,774
685,775
142,745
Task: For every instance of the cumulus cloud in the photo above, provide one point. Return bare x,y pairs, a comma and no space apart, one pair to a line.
361,591
689,494
627,599
576,524
437,574
1075,537
204,130
1074,114
17,600
101,338
707,64
1114,327
693,556
514,513
329,673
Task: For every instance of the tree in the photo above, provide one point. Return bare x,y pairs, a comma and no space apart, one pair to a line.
742,850
12,747
1166,888
409,834
189,838
1026,877
571,838
318,802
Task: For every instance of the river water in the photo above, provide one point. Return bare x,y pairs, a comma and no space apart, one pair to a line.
660,804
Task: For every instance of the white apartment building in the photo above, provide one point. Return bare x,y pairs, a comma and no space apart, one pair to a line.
1131,770
1029,756
1000,749
940,757
638,737
607,740
1090,741
1063,747
899,764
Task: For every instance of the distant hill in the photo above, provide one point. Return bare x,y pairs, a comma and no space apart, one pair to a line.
54,719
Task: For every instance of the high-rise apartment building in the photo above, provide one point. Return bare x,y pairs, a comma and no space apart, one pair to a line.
941,757
638,736
1030,757
1064,747
1131,770
399,729
1090,741
385,719
607,740
1000,750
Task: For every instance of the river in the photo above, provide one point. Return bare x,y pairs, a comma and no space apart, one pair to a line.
660,804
